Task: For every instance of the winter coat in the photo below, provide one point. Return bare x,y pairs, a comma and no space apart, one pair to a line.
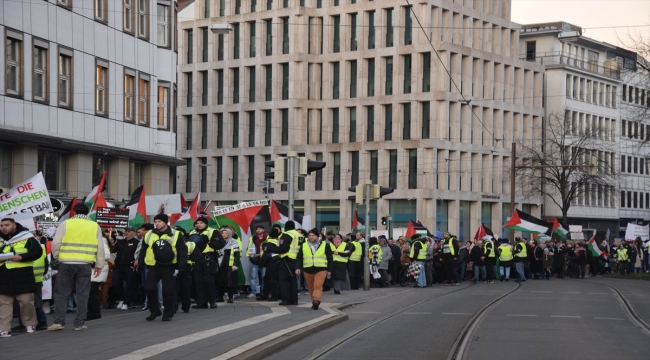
475,256
103,276
463,254
20,280
547,261
387,255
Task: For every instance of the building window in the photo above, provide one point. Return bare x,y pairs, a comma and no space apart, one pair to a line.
251,84
222,7
285,126
127,21
14,62
40,70
335,80
269,37
188,132
268,127
163,107
219,87
204,88
143,19
253,5
235,87
406,129
336,180
374,166
65,77
220,45
388,124
407,74
220,131
101,87
285,81
353,125
353,79
235,37
285,35
136,176
143,99
204,174
64,3
162,25
392,169
389,76
129,94
251,128
237,7
354,169
389,27
337,34
204,131
252,37
219,174
101,10
190,46
268,84
335,125
353,32
426,72
371,77
426,119
371,30
235,174
235,130
204,44
251,173
408,26
318,186
413,168
188,175
53,165
370,123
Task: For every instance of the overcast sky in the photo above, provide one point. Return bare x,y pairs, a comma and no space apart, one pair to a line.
588,14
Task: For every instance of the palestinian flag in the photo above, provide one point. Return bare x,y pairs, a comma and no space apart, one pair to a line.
594,249
558,229
99,202
280,215
484,233
186,221
415,228
429,234
520,221
68,212
94,193
137,208
357,223
244,218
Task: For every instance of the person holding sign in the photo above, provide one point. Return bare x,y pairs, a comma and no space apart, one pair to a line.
18,250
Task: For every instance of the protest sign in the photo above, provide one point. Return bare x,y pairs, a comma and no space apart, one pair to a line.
113,217
163,204
30,196
634,230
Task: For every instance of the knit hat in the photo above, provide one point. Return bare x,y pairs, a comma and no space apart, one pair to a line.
274,233
202,219
290,225
162,217
314,231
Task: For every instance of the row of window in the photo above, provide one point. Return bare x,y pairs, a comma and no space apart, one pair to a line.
635,165
591,91
634,200
594,195
636,95
605,160
635,130
588,125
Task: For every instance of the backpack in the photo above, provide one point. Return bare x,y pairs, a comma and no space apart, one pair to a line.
163,251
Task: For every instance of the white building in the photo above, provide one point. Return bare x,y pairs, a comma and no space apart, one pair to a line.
356,83
89,86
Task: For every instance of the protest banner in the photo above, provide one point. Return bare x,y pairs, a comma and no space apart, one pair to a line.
634,230
30,196
113,217
163,204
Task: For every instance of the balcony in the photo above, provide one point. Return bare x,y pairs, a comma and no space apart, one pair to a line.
609,68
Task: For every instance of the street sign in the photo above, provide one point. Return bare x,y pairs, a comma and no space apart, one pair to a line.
113,217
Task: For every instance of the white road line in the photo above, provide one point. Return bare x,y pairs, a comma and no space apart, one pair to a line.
541,292
239,350
603,318
153,350
565,316
417,313
569,292
521,315
598,293
365,312
456,314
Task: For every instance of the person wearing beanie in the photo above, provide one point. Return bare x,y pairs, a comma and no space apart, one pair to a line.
165,255
419,255
450,252
521,254
269,258
253,249
204,258
315,261
288,249
355,265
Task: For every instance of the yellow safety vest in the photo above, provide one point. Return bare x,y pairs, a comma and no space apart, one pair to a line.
295,245
190,248
490,245
622,254
151,238
39,266
340,249
380,255
207,232
17,248
311,259
357,252
269,240
524,251
422,255
231,258
80,241
506,253
448,246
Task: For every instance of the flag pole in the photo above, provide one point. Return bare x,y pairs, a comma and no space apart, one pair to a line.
511,233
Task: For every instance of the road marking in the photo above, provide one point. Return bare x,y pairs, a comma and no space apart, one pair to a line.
541,292
520,315
565,316
598,293
456,314
250,345
603,318
365,312
153,350
417,313
569,292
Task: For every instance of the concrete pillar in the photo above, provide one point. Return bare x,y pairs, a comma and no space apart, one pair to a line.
454,220
80,174
156,179
118,179
24,163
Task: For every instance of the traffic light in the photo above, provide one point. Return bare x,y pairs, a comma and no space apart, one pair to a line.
267,191
358,196
377,192
279,170
383,220
307,166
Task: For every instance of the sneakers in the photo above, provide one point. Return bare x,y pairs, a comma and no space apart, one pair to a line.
145,308
119,305
123,307
80,328
41,326
30,329
5,334
55,327
19,328
250,296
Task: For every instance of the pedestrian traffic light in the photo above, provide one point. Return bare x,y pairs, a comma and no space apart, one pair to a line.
383,220
279,169
307,166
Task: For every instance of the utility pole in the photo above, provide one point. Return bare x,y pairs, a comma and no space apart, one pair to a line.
366,262
511,234
291,155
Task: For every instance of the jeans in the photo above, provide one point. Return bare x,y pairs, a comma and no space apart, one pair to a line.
254,274
482,270
461,270
146,298
505,269
69,276
520,270
422,277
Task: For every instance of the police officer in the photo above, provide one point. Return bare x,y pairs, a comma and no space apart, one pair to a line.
489,258
419,255
270,258
205,259
355,265
449,246
521,255
165,255
288,249
184,278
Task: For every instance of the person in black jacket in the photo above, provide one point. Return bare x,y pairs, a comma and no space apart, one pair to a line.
270,259
450,258
205,266
17,280
123,273
535,254
477,256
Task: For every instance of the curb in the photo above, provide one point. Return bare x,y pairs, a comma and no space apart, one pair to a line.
273,346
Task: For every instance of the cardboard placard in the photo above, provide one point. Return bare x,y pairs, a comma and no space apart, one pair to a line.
113,217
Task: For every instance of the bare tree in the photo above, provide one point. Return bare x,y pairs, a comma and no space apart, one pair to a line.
573,163
635,73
